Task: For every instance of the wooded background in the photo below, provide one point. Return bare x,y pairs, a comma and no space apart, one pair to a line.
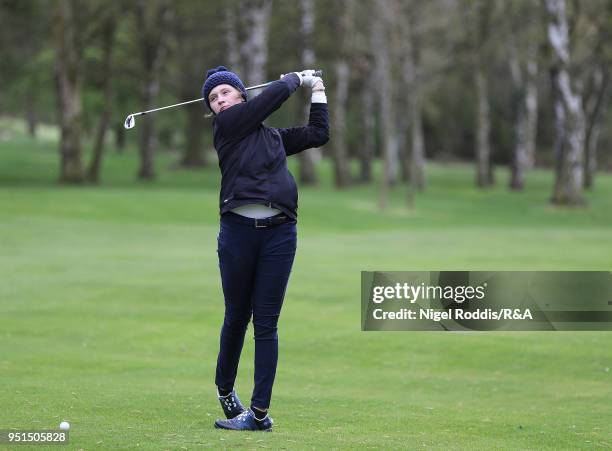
514,83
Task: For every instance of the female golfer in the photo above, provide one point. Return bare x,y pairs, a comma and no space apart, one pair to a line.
258,236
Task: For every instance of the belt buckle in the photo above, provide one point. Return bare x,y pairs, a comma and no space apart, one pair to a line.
257,226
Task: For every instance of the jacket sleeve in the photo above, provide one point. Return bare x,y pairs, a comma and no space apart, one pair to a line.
315,134
244,118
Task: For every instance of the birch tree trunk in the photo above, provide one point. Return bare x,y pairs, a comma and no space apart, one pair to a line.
519,155
68,79
255,18
231,14
380,46
569,114
108,38
307,160
522,47
531,101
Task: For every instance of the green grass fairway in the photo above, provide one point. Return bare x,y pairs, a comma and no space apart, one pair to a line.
111,308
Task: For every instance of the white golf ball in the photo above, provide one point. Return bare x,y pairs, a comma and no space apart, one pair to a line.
64,425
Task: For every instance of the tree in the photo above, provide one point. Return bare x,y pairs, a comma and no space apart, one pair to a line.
596,98
25,59
152,20
344,16
411,81
254,21
569,116
108,29
188,75
595,32
69,81
382,21
484,168
363,69
307,160
522,47
367,147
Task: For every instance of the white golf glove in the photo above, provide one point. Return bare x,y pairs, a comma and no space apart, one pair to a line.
318,91
310,80
306,77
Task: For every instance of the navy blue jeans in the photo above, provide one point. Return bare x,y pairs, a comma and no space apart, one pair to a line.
255,264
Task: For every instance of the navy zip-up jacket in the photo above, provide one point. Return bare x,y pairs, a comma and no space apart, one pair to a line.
252,156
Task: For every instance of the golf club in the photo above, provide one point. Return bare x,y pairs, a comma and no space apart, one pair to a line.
130,121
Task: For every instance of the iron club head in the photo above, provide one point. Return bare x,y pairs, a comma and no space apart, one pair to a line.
129,122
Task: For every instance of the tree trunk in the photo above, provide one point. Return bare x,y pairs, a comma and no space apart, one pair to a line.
403,112
570,118
484,169
519,105
344,26
569,114
31,114
108,37
255,19
483,131
559,140
152,19
339,150
531,101
147,137
591,156
523,40
417,174
307,160
194,153
594,107
119,137
68,83
380,45
231,13
368,120
519,158
412,64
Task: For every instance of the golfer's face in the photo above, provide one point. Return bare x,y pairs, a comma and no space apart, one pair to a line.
223,97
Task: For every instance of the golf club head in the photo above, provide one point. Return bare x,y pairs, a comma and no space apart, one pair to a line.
129,122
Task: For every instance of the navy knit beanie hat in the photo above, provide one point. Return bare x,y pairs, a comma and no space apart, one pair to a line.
221,76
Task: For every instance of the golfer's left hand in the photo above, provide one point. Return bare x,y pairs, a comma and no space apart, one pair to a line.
311,81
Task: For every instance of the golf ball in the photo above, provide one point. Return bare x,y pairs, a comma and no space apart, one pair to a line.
64,425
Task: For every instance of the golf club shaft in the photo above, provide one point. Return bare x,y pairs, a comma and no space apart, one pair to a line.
317,73
191,101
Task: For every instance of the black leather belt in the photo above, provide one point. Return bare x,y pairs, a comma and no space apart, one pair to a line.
280,218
